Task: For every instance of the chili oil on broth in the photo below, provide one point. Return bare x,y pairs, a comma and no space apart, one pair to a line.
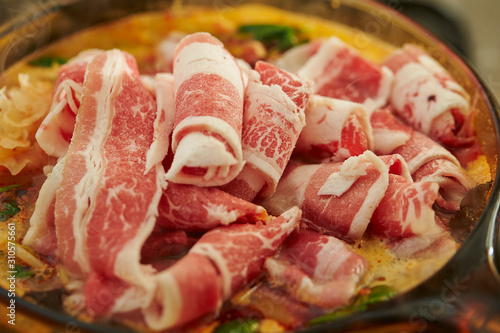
139,35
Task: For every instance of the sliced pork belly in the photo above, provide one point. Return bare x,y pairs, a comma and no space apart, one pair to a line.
54,134
335,198
427,159
208,113
428,98
223,261
106,204
317,269
437,242
406,209
338,71
335,130
194,208
273,119
164,244
41,235
295,58
164,122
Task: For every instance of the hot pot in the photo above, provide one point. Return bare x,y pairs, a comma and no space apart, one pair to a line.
462,296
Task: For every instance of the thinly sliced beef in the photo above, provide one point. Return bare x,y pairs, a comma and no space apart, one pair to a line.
427,160
223,261
56,130
209,92
335,130
273,119
164,122
317,269
406,209
194,208
41,235
107,203
344,199
335,198
428,98
338,71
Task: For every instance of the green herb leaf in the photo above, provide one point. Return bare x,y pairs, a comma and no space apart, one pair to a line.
238,326
281,37
8,209
377,294
24,272
9,188
47,61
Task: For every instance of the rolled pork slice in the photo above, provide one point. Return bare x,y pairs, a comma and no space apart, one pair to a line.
427,160
273,120
107,203
223,261
56,130
428,98
339,71
41,235
317,269
195,208
206,139
336,198
335,130
164,122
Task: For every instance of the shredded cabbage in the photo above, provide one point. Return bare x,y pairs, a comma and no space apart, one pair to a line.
22,109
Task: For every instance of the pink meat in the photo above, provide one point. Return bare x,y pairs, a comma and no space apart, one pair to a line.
186,291
223,261
437,243
193,208
239,250
107,203
295,58
317,269
453,183
428,98
163,244
41,235
426,159
338,71
406,209
335,198
208,113
163,85
273,119
335,130
56,130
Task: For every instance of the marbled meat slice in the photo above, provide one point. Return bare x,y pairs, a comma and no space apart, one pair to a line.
273,120
56,130
106,205
427,160
338,71
194,208
335,130
41,235
428,98
223,261
164,121
209,90
317,269
406,209
335,198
